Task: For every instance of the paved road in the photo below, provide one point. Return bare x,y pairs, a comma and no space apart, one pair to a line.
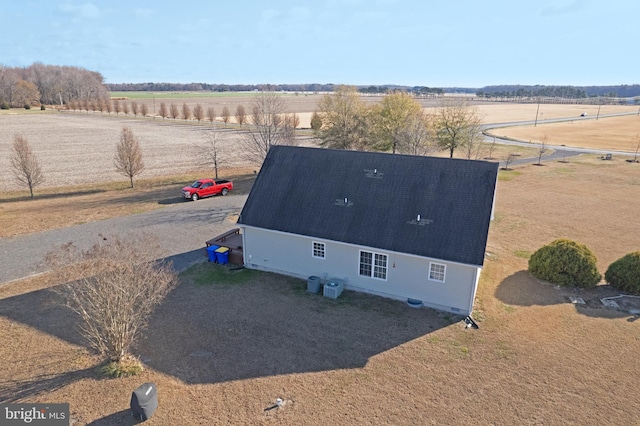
560,152
182,228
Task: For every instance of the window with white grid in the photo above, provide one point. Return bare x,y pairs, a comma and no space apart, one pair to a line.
437,272
373,265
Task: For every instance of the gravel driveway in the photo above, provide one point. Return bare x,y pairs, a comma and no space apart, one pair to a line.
181,228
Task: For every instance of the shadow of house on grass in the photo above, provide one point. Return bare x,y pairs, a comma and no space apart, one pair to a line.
264,326
270,326
523,289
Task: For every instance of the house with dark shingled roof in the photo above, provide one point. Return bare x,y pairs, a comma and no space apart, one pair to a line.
398,226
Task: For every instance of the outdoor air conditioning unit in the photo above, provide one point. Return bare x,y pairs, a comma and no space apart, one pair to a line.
333,288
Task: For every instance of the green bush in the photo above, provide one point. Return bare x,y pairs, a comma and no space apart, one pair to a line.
566,263
624,273
42,108
27,106
4,105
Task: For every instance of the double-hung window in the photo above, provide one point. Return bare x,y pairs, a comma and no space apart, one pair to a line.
373,265
437,272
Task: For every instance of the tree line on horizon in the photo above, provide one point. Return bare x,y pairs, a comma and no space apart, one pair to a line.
40,84
565,92
313,87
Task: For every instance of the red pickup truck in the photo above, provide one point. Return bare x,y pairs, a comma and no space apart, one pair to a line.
206,188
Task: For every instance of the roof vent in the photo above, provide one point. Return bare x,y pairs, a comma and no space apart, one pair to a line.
373,173
420,221
344,202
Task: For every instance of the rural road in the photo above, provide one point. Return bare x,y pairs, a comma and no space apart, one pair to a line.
560,152
181,228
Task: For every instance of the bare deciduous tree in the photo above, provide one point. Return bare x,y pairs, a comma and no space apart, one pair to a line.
209,153
344,120
144,110
125,108
226,114
163,110
268,128
24,93
117,108
542,148
173,111
198,112
455,124
211,114
492,147
510,157
113,287
25,164
473,146
186,112
134,108
128,158
241,115
415,137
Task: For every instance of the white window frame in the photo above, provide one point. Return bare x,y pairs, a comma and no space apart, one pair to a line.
375,270
315,250
432,272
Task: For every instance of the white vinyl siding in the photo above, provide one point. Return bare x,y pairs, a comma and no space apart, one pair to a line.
373,265
437,272
319,250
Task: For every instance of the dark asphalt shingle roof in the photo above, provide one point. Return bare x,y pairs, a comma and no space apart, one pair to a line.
303,190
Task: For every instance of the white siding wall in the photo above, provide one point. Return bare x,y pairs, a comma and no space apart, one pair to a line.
407,275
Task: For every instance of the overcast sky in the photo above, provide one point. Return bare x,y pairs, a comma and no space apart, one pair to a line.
435,43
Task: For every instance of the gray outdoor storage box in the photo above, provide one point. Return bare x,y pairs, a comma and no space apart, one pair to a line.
144,401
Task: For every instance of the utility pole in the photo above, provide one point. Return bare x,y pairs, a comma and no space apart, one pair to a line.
538,109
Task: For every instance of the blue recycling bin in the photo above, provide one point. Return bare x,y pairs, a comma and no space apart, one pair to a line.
222,255
211,252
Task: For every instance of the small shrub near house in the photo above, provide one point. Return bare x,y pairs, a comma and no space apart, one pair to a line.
4,105
624,273
566,263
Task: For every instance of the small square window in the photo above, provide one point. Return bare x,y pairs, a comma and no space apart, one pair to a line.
318,250
437,272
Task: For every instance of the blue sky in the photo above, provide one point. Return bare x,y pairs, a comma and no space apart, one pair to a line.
443,43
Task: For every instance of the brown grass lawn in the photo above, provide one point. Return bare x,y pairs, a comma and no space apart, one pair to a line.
222,348
225,344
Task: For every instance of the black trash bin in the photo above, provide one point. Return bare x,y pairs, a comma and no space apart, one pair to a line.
144,401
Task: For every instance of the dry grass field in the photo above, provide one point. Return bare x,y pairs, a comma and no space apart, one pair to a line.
612,133
76,148
223,349
225,345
